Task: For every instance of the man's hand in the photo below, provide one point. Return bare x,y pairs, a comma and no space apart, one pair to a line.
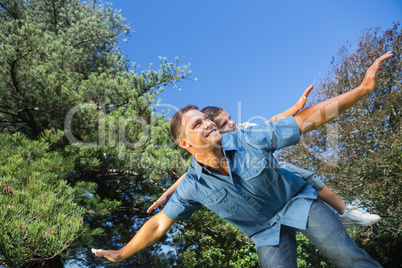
370,79
149,233
320,113
111,255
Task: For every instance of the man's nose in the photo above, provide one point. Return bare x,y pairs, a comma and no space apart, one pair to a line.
207,124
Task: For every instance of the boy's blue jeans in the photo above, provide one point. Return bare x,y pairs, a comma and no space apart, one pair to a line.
325,230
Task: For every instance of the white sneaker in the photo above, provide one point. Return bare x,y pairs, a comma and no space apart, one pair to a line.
354,216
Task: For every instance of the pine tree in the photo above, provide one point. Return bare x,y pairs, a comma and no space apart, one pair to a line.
57,54
62,70
38,213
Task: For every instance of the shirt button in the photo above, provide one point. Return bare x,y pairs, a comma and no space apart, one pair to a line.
278,218
215,199
255,171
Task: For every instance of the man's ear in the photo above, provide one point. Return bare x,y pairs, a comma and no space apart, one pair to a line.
182,142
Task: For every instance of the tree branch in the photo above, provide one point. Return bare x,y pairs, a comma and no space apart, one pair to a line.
11,13
150,85
4,112
54,18
143,91
13,74
89,39
11,122
31,122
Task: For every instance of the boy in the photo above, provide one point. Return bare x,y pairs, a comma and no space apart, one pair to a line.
349,215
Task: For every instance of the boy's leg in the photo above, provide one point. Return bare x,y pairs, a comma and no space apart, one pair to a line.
350,216
283,255
323,192
325,230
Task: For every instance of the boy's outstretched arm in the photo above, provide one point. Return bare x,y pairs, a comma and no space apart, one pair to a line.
166,195
319,114
149,233
295,108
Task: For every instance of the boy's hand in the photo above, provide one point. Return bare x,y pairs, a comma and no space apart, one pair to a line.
303,99
161,201
111,255
295,108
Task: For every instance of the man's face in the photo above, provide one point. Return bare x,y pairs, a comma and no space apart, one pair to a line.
199,130
224,122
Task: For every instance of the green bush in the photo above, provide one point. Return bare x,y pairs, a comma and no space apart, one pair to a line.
38,217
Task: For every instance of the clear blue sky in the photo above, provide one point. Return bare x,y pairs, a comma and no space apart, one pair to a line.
260,53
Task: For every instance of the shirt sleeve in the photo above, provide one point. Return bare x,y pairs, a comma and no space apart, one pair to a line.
180,207
272,136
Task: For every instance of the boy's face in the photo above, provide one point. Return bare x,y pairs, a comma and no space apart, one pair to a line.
224,122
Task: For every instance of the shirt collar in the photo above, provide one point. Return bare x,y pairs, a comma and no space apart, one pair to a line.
196,167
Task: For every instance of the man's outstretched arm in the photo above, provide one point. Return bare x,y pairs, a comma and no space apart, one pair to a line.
149,233
319,114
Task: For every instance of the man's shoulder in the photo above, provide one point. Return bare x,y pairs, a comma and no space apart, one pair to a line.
187,185
190,177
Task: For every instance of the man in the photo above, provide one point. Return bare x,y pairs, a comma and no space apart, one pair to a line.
236,176
349,215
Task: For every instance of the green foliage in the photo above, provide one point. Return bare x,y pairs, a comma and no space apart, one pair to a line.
214,243
308,255
58,54
62,69
359,154
39,216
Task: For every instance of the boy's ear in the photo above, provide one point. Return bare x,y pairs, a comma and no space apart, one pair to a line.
182,142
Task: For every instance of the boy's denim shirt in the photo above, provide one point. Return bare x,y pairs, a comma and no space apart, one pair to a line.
257,196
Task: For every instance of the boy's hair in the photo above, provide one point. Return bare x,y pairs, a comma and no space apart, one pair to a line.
176,123
212,112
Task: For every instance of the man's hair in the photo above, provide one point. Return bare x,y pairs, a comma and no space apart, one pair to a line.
176,124
212,112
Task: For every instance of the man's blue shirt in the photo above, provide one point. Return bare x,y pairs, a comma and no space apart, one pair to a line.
257,196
